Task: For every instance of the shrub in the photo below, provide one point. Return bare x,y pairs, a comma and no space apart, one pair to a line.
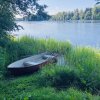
58,77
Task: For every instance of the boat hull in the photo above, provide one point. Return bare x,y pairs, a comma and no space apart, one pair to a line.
30,69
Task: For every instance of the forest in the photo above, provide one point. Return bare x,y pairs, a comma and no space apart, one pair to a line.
87,14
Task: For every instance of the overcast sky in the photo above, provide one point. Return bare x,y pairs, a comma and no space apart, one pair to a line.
55,6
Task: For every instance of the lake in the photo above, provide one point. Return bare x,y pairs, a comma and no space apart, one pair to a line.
81,34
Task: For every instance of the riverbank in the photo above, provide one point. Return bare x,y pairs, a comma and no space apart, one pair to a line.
79,79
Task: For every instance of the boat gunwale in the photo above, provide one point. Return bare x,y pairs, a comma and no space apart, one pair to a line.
23,60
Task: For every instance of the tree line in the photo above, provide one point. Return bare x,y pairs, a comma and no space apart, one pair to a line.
9,8
87,14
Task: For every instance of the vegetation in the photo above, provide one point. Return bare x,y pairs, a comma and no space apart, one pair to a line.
87,62
26,88
8,10
79,79
39,16
97,2
88,14
17,49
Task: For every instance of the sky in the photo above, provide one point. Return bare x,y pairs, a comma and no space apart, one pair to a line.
55,6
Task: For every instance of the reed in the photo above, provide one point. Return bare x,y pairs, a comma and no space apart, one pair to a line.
42,45
86,61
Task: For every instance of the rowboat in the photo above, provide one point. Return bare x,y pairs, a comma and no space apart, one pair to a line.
31,64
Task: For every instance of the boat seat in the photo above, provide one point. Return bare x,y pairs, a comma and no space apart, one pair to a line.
47,56
30,63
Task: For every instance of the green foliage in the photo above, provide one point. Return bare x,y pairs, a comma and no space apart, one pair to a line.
87,62
39,16
27,88
81,72
6,19
58,77
51,94
97,2
8,10
87,14
64,77
41,45
26,46
3,61
76,15
96,13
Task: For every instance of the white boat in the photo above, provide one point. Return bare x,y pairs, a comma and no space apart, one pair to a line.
31,64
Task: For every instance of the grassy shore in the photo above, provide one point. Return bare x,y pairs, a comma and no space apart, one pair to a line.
78,80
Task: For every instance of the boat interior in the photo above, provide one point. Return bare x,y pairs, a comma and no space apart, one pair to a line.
31,61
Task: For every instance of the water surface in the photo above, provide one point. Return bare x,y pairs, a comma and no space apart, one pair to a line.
81,34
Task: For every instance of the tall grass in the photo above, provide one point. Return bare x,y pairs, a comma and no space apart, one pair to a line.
27,46
20,48
81,72
3,61
42,45
87,63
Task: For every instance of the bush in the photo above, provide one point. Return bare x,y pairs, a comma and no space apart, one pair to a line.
61,77
58,77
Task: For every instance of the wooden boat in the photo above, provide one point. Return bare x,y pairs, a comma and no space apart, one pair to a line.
31,64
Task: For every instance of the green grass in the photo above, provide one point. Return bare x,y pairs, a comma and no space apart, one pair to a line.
31,88
20,48
3,60
51,94
59,77
41,45
86,61
30,46
78,80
